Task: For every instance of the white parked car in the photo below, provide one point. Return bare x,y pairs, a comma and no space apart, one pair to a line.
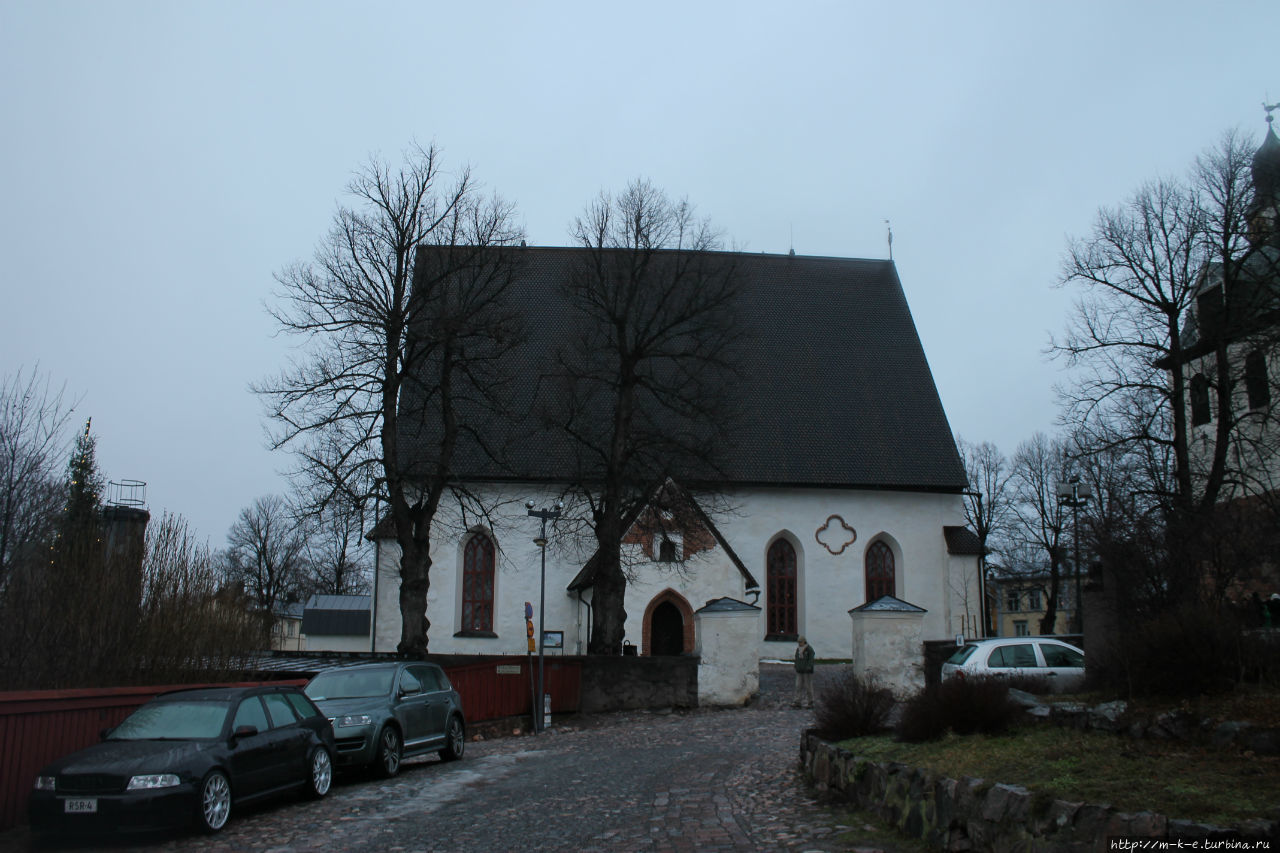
1058,664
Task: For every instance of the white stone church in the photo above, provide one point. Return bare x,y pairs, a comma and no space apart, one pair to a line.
844,487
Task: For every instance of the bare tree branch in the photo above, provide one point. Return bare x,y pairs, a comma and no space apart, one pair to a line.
34,441
402,309
641,388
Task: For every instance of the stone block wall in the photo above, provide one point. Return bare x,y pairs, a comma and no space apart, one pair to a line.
622,683
974,814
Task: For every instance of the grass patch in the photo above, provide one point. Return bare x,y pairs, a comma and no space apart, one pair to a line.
1177,780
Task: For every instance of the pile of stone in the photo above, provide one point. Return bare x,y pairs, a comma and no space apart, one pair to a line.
1170,725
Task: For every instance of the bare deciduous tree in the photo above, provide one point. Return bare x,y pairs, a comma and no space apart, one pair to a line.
33,441
405,299
191,626
266,554
336,550
112,621
987,507
1172,286
988,503
1039,464
644,382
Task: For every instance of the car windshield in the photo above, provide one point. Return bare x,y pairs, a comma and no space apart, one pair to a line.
961,655
180,720
351,685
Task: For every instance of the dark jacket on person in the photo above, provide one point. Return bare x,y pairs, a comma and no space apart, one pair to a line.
804,659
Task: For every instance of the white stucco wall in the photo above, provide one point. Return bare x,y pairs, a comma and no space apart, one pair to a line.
1254,452
966,597
829,585
888,647
728,669
516,580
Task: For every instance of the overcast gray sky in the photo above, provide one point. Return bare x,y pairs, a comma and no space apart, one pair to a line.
161,160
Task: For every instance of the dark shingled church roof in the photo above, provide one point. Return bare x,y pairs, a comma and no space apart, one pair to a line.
836,390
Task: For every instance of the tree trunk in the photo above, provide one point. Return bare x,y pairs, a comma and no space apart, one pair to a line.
608,613
1051,608
415,582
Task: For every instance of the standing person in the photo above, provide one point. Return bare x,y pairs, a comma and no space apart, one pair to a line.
804,672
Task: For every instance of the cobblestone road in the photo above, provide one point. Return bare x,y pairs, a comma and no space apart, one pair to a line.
706,780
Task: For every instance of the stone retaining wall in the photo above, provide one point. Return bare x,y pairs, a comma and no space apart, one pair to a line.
612,683
972,814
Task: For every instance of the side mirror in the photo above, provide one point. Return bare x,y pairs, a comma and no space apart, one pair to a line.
410,691
244,731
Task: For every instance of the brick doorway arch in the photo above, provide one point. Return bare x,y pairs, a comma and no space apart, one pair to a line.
668,625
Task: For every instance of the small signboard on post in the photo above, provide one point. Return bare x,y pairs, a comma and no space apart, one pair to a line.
533,683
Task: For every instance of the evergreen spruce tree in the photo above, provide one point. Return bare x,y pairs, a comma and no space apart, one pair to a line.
84,485
79,590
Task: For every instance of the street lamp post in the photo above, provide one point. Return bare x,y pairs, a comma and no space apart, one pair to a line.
982,566
541,542
1076,494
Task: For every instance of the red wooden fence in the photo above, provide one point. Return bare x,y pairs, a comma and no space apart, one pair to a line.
500,688
39,726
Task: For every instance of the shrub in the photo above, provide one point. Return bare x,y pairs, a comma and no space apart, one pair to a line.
977,705
1187,651
922,718
99,620
962,705
1260,653
852,706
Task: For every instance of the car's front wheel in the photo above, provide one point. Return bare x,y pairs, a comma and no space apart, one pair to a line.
390,750
455,740
214,807
320,777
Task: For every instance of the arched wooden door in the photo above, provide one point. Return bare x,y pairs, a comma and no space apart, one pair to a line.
666,630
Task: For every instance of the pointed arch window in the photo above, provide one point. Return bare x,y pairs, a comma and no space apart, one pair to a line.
1255,380
1200,411
780,573
477,584
880,571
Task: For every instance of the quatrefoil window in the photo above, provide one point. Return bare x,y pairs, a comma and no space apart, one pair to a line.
835,535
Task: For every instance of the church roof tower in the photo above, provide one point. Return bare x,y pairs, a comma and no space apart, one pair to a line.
1264,211
1266,160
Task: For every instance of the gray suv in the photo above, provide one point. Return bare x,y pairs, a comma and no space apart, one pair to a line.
382,712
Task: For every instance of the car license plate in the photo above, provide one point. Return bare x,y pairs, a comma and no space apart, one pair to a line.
81,806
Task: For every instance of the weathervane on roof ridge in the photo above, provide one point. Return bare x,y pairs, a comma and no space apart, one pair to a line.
889,228
1270,108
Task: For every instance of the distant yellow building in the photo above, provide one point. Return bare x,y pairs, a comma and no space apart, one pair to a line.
1019,602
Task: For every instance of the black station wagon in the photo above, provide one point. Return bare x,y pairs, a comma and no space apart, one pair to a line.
188,755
